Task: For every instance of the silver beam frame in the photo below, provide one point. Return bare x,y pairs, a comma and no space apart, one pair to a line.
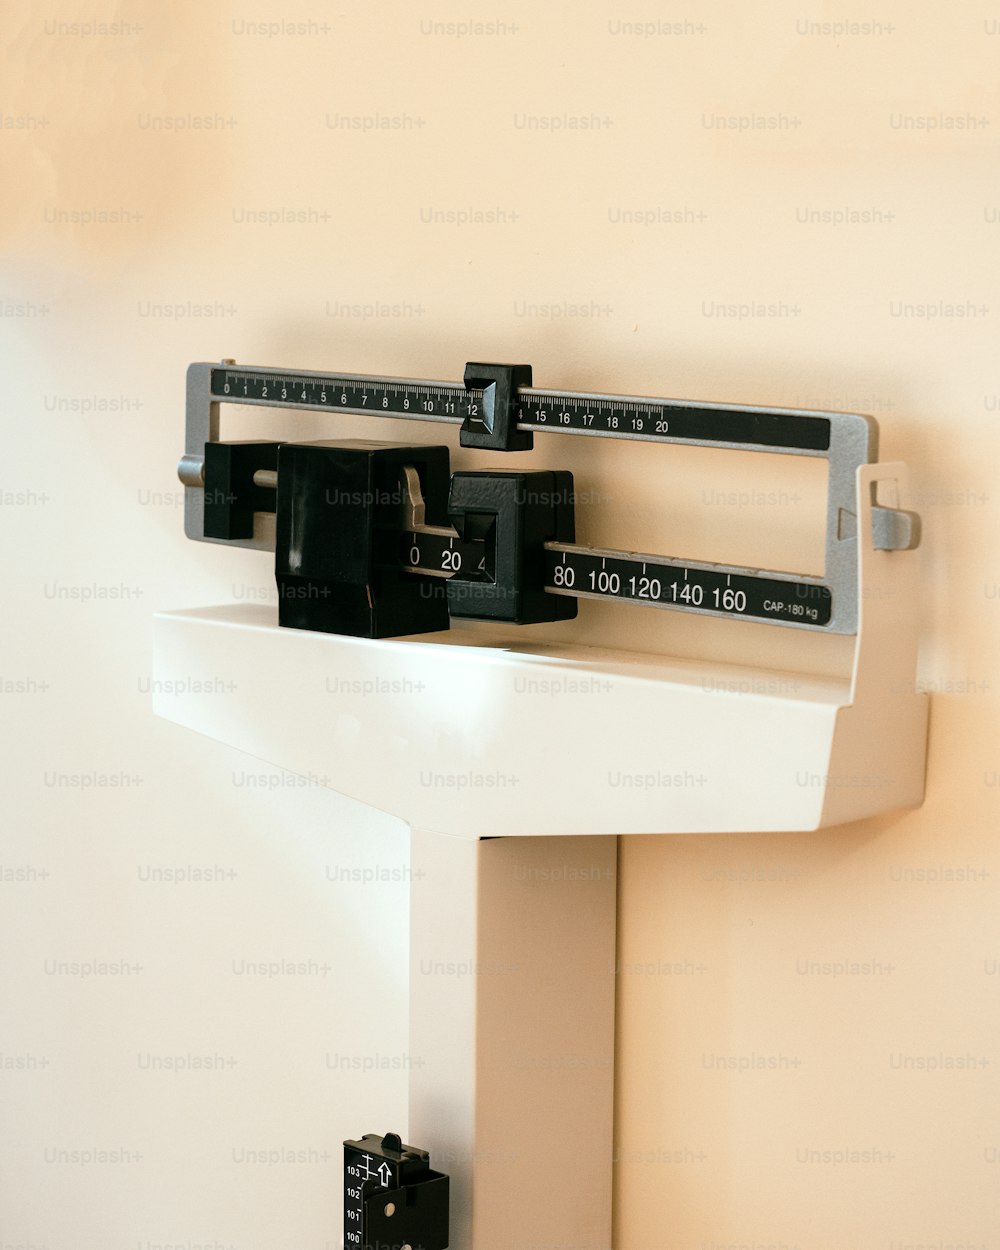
853,442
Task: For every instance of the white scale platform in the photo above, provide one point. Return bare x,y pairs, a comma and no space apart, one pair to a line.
470,727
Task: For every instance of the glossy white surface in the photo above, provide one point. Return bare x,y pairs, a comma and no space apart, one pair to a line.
476,732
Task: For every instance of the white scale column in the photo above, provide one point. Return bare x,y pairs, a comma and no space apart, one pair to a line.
512,993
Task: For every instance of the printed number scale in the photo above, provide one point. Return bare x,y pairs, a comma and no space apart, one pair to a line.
503,542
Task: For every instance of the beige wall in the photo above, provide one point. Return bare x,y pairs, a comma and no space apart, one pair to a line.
824,195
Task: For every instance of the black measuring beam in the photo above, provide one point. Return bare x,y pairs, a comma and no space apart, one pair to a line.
587,573
392,1196
560,412
590,574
